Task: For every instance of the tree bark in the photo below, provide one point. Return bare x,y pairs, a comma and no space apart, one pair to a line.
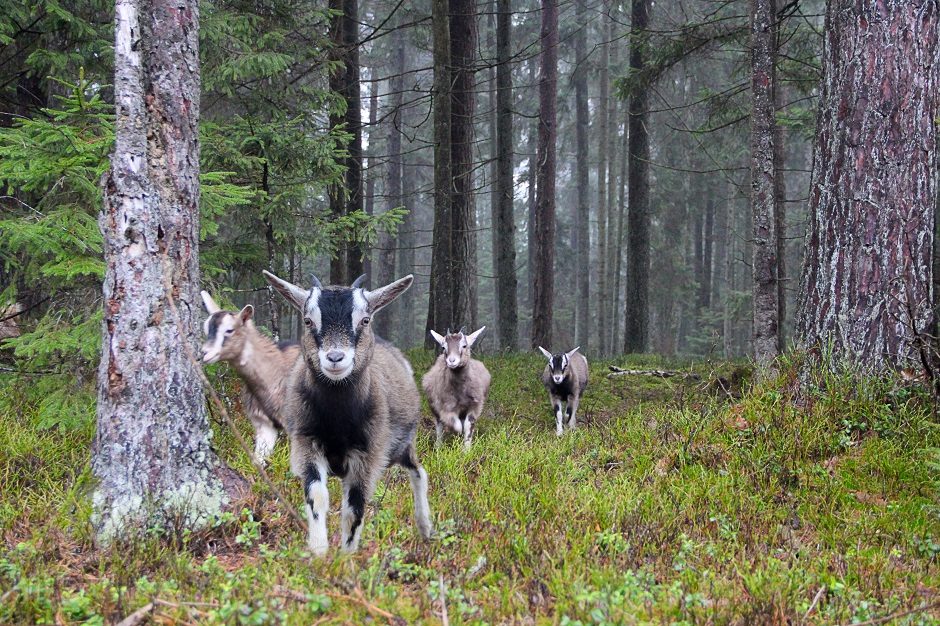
151,454
866,283
613,125
346,198
544,279
393,194
636,331
780,189
504,224
764,259
370,168
440,298
603,146
582,217
463,43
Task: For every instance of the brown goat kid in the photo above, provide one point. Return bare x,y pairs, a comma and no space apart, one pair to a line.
351,407
261,363
456,385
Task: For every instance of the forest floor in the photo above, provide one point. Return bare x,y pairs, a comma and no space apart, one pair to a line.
673,502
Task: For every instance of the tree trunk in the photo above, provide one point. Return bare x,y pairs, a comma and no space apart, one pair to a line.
370,168
463,213
406,235
544,279
532,148
274,301
504,224
780,190
603,146
346,198
616,320
440,298
609,295
582,217
866,280
393,199
636,311
764,260
151,454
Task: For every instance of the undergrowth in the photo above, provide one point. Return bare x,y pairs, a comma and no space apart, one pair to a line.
700,498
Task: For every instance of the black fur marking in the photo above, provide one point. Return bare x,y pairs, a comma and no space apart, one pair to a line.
214,324
336,309
311,475
557,363
337,418
568,412
563,389
357,502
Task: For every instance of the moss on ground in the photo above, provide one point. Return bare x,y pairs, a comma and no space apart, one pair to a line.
691,499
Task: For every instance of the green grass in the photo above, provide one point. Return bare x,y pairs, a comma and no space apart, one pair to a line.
672,503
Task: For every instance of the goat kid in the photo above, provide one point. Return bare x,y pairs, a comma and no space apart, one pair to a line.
351,407
261,363
565,377
456,385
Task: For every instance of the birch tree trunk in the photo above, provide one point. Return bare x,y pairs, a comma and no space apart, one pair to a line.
504,224
151,454
636,330
582,217
764,259
866,282
543,282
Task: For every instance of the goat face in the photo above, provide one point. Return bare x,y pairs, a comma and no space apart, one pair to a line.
558,363
338,341
457,346
223,342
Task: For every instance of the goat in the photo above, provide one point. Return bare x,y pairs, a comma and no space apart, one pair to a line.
351,407
456,385
260,362
565,377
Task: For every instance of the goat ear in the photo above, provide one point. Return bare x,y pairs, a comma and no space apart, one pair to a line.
292,293
247,313
438,338
545,353
209,303
570,353
472,337
383,296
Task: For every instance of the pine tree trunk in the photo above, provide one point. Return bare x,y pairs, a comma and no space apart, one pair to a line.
636,331
613,126
440,298
764,260
617,319
504,225
532,149
406,234
603,146
544,279
151,456
866,283
780,191
582,218
346,198
371,170
463,213
393,199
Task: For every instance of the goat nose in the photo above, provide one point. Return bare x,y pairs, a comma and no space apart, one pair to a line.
334,356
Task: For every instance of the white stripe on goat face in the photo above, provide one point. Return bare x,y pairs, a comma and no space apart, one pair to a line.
217,328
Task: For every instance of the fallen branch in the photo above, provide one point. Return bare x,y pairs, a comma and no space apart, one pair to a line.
371,608
894,616
137,616
619,371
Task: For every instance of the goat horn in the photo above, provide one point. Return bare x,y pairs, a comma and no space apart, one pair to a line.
358,282
316,282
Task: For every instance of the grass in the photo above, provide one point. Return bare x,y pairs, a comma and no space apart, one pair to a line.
672,503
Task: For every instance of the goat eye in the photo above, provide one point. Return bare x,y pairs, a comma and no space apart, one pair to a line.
308,322
365,321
